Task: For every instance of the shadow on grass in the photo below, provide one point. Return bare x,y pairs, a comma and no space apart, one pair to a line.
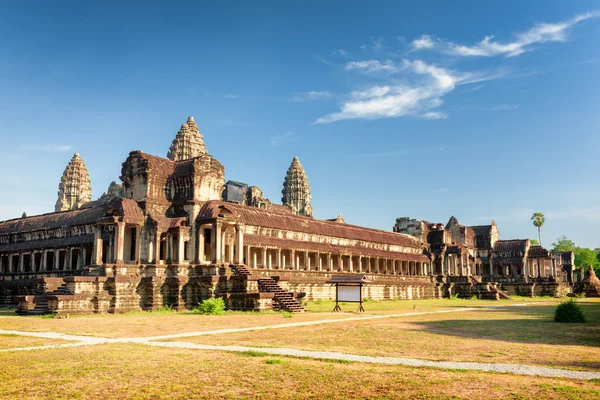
531,325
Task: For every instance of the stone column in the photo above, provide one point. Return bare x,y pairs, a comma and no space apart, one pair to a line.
138,245
200,246
239,244
269,260
306,261
329,262
216,242
120,240
264,258
350,264
180,247
320,262
98,244
254,264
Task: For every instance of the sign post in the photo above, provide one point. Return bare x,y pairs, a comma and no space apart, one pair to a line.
348,288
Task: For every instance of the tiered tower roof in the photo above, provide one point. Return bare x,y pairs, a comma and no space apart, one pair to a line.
188,142
74,189
296,190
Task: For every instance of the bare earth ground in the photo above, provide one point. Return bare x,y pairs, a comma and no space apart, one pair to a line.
503,334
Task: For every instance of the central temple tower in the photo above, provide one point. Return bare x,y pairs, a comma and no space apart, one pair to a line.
74,189
296,190
188,143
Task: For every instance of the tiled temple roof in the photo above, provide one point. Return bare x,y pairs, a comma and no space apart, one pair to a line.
53,243
298,245
538,252
279,220
126,208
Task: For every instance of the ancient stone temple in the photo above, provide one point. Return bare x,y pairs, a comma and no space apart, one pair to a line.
296,190
188,142
174,232
74,189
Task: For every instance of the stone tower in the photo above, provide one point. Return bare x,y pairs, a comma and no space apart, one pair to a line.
74,189
296,190
188,142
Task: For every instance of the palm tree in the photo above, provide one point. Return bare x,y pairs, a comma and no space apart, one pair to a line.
538,220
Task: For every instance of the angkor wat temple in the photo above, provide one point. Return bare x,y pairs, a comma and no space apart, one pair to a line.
174,233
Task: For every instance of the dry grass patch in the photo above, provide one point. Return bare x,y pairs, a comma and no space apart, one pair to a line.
142,324
140,372
523,335
15,341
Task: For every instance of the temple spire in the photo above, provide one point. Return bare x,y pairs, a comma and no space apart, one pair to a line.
74,189
188,142
296,190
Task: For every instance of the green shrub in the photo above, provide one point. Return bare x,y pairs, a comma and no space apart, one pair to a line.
213,306
568,311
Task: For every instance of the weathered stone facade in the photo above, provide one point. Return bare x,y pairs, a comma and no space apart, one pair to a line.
173,233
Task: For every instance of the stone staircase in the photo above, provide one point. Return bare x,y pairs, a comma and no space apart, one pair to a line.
501,293
40,301
282,300
240,270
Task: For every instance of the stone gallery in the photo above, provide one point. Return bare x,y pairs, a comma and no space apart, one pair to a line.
174,233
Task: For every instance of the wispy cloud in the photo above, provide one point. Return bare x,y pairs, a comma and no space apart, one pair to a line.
48,148
424,42
281,138
503,107
310,96
372,66
523,41
231,96
418,99
339,52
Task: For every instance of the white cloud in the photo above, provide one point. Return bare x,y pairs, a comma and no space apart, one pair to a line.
424,42
231,96
372,66
540,33
309,96
418,99
339,52
435,115
375,91
48,148
280,139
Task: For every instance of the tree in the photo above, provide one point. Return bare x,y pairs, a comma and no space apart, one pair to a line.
534,242
538,221
585,257
563,244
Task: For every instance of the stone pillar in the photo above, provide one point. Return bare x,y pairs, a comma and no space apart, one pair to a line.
279,263
98,244
350,264
319,262
239,244
306,261
120,240
180,247
138,245
264,258
217,244
43,267
200,246
329,262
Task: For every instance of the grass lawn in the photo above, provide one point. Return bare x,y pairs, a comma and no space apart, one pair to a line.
121,371
138,324
524,335
13,341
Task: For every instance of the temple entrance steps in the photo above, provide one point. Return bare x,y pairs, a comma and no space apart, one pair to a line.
282,300
240,270
501,293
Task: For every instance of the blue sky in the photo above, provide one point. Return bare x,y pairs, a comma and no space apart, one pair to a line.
476,109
